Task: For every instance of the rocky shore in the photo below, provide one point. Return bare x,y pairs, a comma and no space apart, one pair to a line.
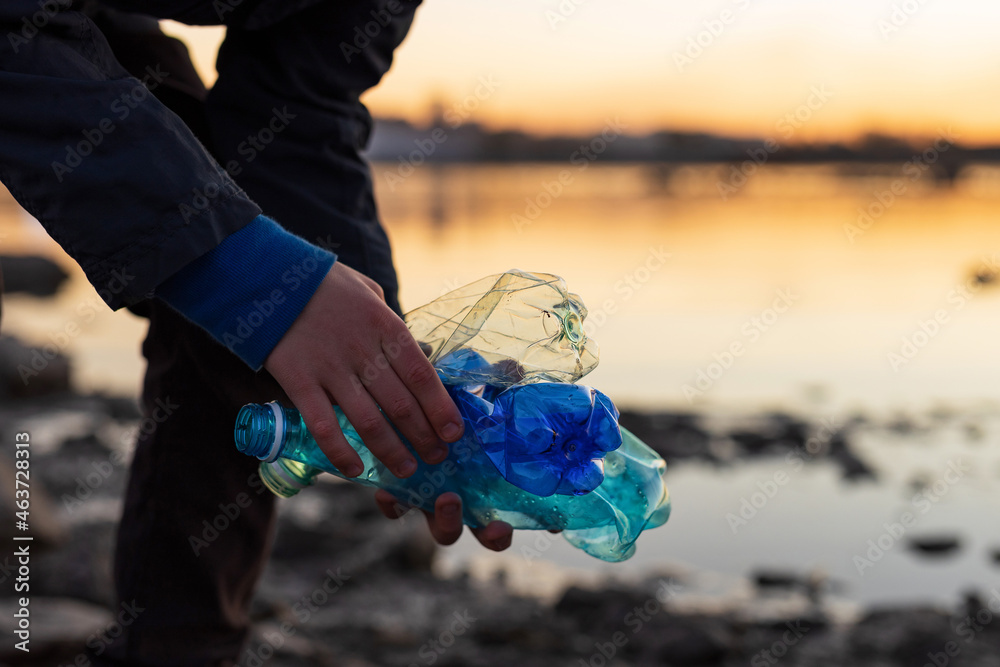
346,587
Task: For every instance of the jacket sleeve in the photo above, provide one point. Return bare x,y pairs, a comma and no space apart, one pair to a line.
115,178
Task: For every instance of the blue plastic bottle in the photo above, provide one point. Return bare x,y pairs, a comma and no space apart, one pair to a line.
539,452
567,463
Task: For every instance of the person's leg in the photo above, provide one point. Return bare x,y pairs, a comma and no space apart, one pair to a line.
194,533
195,530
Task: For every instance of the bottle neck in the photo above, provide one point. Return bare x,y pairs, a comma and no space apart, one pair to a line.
262,430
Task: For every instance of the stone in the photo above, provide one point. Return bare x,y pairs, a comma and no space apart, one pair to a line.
31,274
29,372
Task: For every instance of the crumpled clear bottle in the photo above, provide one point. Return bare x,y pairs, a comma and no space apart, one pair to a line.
527,327
538,452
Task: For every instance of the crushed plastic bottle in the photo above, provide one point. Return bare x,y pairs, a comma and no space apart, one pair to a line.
604,522
544,438
526,327
538,451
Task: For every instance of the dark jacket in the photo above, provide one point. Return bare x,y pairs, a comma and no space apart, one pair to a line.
113,176
124,186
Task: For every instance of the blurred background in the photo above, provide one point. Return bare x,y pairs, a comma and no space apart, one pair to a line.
782,217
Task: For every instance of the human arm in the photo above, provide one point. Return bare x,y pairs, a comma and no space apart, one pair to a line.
121,183
114,177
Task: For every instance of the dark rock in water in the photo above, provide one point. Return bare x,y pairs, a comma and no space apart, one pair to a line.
776,579
31,274
776,431
677,436
672,435
938,545
985,276
973,431
781,582
852,466
27,372
903,425
805,624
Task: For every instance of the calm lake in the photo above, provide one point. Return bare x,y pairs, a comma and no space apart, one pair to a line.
811,289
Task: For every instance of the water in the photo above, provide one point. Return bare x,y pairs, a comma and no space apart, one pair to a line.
662,320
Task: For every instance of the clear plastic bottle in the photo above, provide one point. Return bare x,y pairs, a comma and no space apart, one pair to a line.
539,452
628,493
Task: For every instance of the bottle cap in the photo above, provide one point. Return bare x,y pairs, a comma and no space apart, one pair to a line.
285,478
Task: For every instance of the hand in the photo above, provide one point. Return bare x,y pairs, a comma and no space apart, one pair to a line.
348,348
445,523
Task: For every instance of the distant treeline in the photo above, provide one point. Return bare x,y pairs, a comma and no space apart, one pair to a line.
396,140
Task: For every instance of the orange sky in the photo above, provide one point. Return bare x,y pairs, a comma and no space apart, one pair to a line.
905,73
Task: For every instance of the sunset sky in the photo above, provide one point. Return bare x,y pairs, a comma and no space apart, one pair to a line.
908,73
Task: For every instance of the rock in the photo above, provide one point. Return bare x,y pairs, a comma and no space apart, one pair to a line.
83,470
81,568
42,521
26,372
597,612
973,431
934,545
853,468
673,435
985,276
31,274
776,579
683,641
270,646
774,431
60,628
904,636
903,424
341,520
120,408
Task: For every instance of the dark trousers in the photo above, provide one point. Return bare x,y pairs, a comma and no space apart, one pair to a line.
284,118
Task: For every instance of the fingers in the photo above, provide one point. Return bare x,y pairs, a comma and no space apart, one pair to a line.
405,413
363,362
421,380
445,523
496,536
322,423
377,433
389,506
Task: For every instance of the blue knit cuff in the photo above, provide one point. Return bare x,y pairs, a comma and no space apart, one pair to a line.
249,289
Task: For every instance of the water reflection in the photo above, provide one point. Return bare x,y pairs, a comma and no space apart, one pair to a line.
864,279
866,274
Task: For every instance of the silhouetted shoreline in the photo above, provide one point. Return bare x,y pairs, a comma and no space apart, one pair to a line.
399,141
